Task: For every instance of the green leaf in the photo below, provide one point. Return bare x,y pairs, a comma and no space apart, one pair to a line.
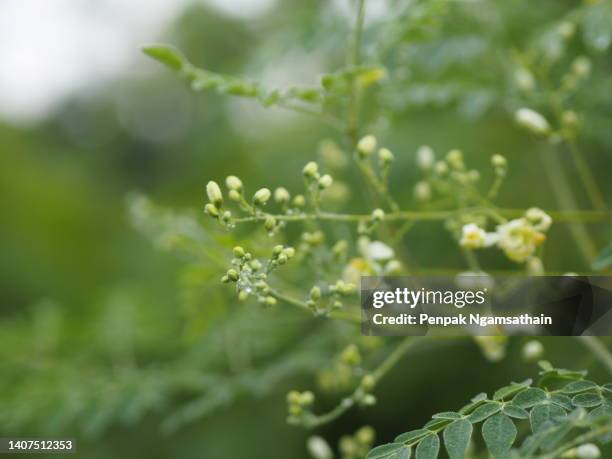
474,403
410,437
499,433
545,413
435,424
457,437
587,400
428,448
607,388
579,386
516,412
511,389
447,415
562,400
484,411
530,397
403,453
167,55
387,451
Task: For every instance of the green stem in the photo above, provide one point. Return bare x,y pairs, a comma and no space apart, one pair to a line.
599,349
586,176
350,401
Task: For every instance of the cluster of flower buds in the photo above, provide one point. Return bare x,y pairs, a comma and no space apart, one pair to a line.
518,238
357,446
299,405
250,275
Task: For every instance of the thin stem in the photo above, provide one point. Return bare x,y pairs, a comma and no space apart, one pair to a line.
565,198
599,349
341,315
348,402
587,178
561,216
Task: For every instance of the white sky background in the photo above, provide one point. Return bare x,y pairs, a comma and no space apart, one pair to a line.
50,49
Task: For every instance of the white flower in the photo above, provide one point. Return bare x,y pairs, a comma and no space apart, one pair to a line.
318,448
532,120
326,181
366,145
588,451
281,195
214,193
385,156
519,239
532,351
377,250
474,237
425,157
540,220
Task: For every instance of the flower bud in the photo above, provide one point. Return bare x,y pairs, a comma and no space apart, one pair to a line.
270,223
351,355
524,79
368,382
532,121
365,435
232,275
270,301
310,170
315,293
233,183
261,196
581,67
378,215
238,252
366,145
441,168
211,210
293,397
326,181
289,252
588,451
214,194
499,161
422,191
281,195
425,157
235,195
299,200
319,448
566,30
455,159
385,156
532,351
307,398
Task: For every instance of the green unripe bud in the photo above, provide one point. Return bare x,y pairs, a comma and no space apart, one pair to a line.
369,400
306,398
235,195
366,146
270,301
232,275
211,209
326,181
289,252
365,435
226,216
499,161
378,215
295,410
255,265
281,195
282,259
214,194
225,279
242,296
233,183
293,397
455,159
368,382
351,355
339,249
440,168
276,251
238,252
310,170
270,223
315,293
385,156
261,197
299,201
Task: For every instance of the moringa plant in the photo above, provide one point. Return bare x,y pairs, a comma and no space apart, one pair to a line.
335,248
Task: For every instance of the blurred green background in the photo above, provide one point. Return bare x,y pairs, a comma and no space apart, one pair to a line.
132,349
